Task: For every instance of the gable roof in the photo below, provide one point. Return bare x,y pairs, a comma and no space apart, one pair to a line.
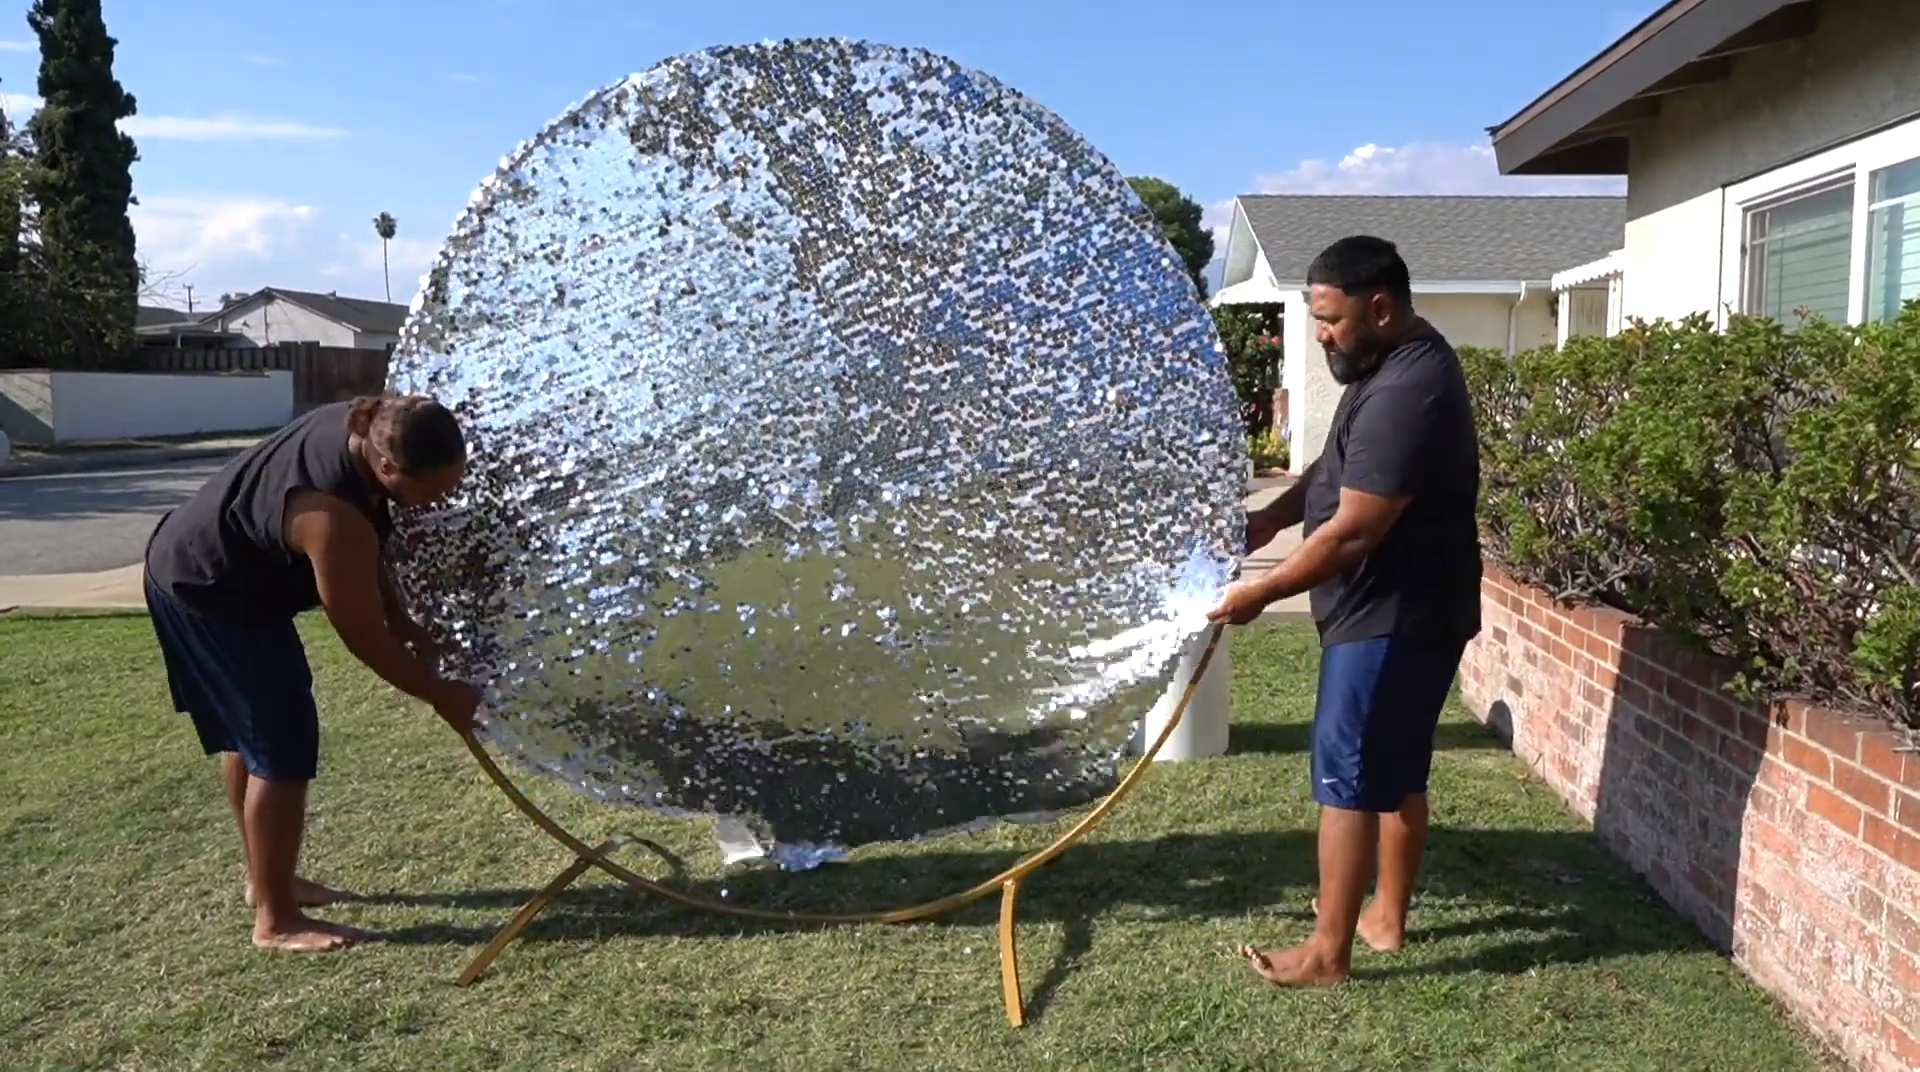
147,316
1581,126
1444,238
360,314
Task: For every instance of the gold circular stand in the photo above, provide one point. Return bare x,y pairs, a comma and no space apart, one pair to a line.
1007,881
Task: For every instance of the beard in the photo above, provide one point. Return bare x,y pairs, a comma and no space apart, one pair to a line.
1352,365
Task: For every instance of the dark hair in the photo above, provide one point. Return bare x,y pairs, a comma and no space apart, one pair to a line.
1361,264
415,433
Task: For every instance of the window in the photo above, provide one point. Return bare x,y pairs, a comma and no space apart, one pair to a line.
1893,239
1799,253
1836,233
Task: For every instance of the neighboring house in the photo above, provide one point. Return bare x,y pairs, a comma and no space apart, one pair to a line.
1482,273
272,315
1772,153
174,329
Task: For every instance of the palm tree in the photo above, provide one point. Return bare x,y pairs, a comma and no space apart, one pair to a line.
386,227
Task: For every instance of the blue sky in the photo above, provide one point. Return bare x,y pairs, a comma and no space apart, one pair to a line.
271,133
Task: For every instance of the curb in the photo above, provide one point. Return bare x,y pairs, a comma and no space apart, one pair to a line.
111,459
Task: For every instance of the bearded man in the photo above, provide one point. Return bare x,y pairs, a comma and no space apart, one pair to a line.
1391,555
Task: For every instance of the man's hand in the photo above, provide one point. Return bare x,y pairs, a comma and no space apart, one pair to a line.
1242,602
455,702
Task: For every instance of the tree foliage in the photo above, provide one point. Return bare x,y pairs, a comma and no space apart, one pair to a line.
48,316
82,183
1179,219
1754,490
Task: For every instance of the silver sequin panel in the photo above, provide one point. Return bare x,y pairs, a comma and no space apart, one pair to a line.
850,454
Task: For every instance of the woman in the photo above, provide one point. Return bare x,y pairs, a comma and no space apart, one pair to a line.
297,522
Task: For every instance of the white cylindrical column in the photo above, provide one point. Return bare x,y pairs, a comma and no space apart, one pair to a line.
1203,728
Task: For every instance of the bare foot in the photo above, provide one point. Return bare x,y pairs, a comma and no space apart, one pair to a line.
1380,934
308,894
304,935
1302,965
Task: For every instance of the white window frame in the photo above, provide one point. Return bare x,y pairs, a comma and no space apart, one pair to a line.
1859,159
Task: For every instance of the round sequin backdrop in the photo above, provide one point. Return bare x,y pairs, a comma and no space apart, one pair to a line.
850,454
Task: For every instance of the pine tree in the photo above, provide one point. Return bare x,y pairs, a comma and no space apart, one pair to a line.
85,180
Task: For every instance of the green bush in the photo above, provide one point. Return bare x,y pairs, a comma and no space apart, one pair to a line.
1267,449
1751,490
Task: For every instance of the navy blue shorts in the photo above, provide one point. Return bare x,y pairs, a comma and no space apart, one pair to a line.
1373,724
246,685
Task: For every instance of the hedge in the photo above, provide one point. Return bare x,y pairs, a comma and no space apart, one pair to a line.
1750,490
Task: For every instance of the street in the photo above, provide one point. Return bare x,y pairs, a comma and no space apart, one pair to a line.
84,522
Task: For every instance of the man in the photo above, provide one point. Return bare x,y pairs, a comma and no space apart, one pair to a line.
1392,557
296,522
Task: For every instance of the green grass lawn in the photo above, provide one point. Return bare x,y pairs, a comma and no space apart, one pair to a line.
123,941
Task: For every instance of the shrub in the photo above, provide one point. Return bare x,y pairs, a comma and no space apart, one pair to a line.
1752,490
1267,449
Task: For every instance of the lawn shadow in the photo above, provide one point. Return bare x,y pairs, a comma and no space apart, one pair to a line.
1556,897
1294,738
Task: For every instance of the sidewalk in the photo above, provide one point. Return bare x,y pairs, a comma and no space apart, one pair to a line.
39,461
120,588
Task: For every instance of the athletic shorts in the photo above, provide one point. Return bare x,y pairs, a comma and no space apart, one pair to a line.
246,686
1373,722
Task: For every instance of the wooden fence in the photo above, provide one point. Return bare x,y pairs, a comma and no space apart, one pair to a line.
321,374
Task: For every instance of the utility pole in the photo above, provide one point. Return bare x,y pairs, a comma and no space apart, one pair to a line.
189,297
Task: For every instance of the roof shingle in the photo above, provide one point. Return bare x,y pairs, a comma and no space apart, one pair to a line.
1444,238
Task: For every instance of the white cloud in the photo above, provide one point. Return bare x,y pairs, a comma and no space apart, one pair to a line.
1422,168
220,242
458,76
258,60
19,46
184,128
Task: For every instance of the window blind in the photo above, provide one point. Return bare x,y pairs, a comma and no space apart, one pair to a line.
1893,239
1797,256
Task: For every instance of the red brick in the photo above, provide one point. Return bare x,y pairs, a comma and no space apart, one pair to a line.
1901,845
1906,811
1904,1047
1855,782
1740,755
1841,736
1904,968
1802,756
1901,929
1835,809
1773,841
1753,727
1882,755
1763,802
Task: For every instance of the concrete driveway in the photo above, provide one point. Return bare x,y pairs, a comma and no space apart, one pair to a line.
88,522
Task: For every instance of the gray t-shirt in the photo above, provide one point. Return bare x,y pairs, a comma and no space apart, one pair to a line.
1408,429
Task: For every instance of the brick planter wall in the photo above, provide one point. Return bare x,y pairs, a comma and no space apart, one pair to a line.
1790,836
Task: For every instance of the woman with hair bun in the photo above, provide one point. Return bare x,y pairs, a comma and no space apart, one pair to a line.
297,522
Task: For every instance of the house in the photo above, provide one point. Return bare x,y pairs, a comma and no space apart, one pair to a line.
175,329
272,315
1771,150
1482,269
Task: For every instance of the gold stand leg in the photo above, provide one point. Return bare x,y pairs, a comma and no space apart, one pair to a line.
523,918
1010,955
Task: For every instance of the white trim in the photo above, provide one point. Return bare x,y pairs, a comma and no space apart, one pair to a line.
1857,160
1592,272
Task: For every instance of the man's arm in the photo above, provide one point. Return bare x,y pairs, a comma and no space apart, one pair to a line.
390,600
1290,508
347,570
